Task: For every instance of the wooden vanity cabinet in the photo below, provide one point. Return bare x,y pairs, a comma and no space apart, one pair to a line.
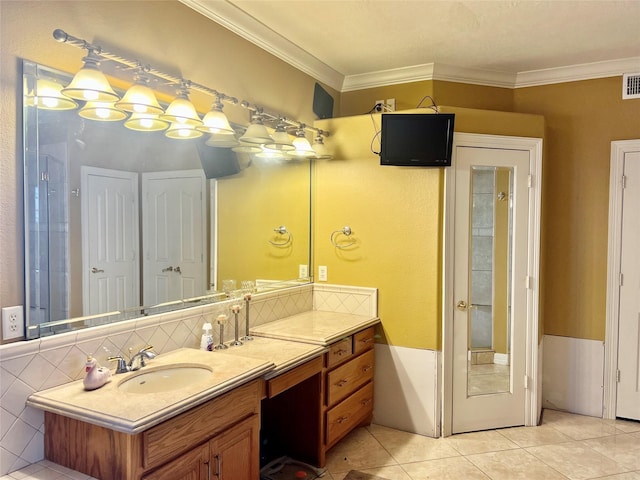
218,439
348,402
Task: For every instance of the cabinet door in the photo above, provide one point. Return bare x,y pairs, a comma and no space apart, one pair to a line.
235,452
193,465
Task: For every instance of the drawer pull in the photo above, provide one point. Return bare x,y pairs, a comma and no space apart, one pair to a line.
366,340
342,419
341,383
340,352
366,368
365,402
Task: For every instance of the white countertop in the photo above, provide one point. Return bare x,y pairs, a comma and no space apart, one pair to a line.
277,347
317,327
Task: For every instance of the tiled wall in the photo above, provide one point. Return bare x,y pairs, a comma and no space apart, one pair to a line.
30,366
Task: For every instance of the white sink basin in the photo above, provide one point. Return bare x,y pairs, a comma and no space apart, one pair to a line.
165,378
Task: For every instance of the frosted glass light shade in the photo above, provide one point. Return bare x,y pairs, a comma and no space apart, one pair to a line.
281,142
90,84
270,154
182,131
303,148
102,111
140,99
48,96
256,133
247,148
222,140
181,111
144,122
215,122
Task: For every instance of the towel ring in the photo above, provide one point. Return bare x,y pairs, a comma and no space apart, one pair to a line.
282,231
346,231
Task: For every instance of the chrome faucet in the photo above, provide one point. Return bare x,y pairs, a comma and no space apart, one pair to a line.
136,362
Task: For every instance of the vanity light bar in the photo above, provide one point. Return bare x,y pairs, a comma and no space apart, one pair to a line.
63,37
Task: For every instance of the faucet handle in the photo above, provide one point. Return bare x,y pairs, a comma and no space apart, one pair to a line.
122,364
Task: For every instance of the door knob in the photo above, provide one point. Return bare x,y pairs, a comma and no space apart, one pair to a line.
462,306
177,270
97,270
168,269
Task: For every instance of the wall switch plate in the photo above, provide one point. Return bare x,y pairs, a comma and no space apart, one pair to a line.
322,273
12,322
303,271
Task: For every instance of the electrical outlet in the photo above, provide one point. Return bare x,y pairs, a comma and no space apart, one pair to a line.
303,271
379,106
12,322
390,105
322,273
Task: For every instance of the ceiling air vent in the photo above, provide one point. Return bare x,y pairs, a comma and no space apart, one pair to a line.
631,85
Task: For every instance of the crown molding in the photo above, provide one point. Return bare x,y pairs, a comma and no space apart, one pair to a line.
247,27
236,20
575,73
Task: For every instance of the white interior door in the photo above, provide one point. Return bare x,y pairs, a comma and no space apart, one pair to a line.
110,245
628,395
174,235
490,281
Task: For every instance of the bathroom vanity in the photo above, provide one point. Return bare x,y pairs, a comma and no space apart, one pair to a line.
272,395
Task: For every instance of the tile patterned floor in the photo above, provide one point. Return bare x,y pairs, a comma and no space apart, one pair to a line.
564,446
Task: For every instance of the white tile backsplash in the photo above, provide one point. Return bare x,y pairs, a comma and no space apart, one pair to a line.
26,367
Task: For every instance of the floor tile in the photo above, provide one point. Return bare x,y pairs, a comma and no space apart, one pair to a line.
578,427
531,437
409,447
480,442
357,451
388,473
576,460
623,449
514,464
454,468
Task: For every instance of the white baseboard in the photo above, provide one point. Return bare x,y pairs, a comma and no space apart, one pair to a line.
406,392
572,378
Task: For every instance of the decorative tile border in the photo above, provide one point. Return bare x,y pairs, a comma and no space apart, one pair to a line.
345,299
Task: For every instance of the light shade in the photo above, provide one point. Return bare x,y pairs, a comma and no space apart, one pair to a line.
102,111
182,131
215,121
303,147
222,140
90,84
140,99
247,148
182,111
281,141
48,96
269,153
144,122
256,133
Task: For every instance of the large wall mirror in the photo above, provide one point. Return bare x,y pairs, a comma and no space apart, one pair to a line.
120,223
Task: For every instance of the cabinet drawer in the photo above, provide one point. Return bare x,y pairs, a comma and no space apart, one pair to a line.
339,352
171,438
347,378
347,414
363,340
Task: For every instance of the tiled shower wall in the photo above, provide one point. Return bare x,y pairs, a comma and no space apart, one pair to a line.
30,366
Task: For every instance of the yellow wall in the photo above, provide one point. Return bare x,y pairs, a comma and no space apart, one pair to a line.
396,217
582,119
165,34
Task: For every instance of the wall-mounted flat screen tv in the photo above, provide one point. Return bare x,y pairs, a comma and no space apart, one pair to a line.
417,139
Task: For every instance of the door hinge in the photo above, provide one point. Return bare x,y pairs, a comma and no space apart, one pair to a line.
527,282
617,376
530,181
44,176
621,280
526,382
624,181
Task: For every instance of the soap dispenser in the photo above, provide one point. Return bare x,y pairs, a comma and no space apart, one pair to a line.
206,342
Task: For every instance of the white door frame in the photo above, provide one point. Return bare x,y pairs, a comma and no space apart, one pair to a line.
534,377
618,151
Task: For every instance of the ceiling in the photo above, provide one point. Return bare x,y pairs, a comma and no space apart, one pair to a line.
352,44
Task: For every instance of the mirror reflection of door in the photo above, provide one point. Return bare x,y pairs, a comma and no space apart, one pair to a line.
490,288
174,232
110,242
